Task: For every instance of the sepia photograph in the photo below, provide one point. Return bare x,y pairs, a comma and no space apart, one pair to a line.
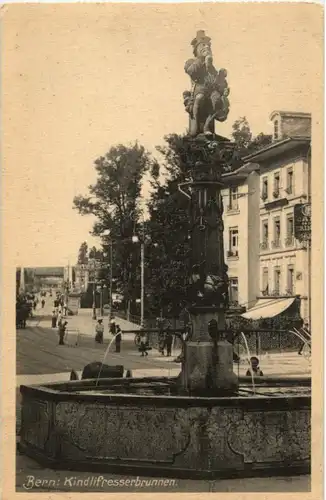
163,179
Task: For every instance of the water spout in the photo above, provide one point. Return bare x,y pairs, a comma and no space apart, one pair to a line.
249,356
105,355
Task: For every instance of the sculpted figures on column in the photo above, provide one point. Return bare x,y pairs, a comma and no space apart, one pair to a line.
208,99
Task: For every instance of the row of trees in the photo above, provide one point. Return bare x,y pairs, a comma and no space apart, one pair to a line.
115,201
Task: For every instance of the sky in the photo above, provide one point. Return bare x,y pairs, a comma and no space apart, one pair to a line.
80,78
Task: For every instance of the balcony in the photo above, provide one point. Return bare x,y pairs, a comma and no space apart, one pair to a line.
289,241
232,208
289,190
232,253
276,243
270,293
263,245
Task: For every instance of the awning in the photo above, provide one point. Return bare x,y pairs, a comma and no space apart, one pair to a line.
268,308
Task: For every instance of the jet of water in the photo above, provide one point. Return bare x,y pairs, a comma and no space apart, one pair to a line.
249,356
105,355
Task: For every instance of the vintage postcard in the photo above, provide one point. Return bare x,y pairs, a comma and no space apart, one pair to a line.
162,295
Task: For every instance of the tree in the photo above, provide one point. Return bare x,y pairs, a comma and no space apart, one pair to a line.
241,133
167,255
114,200
83,253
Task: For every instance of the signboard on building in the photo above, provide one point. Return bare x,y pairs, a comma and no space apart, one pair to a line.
302,221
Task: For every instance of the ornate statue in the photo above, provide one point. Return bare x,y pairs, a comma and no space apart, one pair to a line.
208,99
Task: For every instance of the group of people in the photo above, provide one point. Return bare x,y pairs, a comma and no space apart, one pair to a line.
165,342
115,330
60,304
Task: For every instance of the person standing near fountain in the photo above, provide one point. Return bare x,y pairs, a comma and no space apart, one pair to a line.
118,338
255,369
144,344
62,332
54,319
168,341
99,331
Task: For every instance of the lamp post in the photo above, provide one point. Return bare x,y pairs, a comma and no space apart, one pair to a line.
93,267
94,300
107,234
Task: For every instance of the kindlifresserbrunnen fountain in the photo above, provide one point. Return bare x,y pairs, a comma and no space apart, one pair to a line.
206,422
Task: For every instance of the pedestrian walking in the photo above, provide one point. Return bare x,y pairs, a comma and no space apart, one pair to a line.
99,331
54,319
43,303
118,338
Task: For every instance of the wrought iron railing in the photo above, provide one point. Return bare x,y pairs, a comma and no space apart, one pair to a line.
276,243
232,253
233,206
264,245
289,241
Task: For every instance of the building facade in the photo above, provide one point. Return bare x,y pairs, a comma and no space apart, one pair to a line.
284,186
241,234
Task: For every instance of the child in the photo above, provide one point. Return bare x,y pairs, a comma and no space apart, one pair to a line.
256,371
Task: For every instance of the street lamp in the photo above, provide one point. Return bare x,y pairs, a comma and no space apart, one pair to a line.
107,234
94,290
135,239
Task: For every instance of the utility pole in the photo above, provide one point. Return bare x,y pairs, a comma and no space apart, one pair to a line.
142,283
111,281
94,298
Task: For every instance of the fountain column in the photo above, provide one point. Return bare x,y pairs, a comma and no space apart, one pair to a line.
208,356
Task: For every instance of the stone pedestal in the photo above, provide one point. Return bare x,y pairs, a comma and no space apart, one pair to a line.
208,360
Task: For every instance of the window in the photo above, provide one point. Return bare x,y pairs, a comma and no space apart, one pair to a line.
265,231
264,241
277,232
276,130
289,231
276,191
264,194
265,281
289,181
233,242
233,291
233,198
290,280
277,280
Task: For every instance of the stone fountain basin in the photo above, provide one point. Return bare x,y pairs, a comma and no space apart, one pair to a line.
150,430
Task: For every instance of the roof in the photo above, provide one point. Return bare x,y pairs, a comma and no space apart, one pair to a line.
241,173
268,308
276,148
48,271
295,114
